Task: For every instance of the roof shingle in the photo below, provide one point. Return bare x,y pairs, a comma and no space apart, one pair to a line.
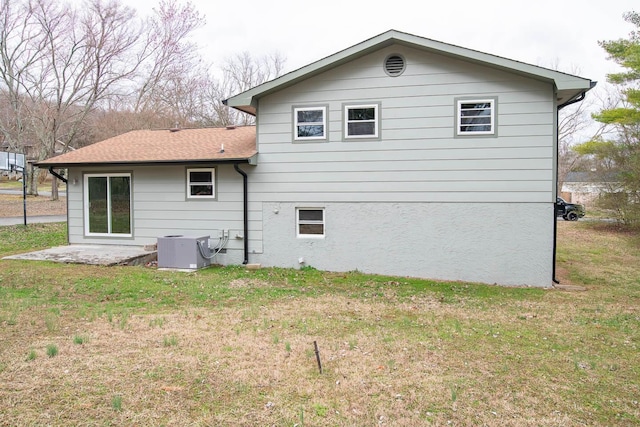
165,146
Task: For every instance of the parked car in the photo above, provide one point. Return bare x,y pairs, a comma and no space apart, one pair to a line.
569,211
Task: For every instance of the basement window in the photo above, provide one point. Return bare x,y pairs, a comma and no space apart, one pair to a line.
310,222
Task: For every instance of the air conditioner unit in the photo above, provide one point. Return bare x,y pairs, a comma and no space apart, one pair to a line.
184,252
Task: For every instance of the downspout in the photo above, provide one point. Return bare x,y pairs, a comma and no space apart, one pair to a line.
57,175
66,181
555,207
578,98
245,200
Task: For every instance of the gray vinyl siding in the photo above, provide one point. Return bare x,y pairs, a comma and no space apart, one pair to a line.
417,201
417,158
161,208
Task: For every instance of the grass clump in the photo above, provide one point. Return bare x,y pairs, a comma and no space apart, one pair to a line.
51,322
79,339
320,410
170,341
52,350
116,402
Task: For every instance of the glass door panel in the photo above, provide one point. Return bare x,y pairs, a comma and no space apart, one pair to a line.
98,205
120,193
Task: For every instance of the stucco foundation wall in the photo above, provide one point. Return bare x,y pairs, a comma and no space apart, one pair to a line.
502,243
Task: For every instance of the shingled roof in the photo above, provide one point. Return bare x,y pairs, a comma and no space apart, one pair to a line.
215,145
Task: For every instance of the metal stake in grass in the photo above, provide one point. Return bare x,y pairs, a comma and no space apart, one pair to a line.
315,345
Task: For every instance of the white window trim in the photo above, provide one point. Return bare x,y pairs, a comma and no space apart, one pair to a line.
310,236
296,124
85,192
375,121
213,183
459,103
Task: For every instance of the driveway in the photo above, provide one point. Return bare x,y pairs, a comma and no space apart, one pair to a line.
61,192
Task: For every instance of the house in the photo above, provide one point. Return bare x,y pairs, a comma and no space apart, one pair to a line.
400,155
585,187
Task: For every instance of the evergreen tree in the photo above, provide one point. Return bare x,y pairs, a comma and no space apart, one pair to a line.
619,157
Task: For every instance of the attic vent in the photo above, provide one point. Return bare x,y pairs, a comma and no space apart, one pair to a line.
394,65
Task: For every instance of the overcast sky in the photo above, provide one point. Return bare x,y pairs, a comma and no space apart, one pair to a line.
541,32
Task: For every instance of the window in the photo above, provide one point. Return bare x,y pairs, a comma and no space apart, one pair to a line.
310,123
475,116
201,183
361,121
310,222
107,204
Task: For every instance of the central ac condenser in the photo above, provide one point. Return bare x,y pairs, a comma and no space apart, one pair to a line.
184,252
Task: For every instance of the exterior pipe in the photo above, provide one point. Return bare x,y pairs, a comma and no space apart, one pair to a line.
57,175
245,209
555,244
555,218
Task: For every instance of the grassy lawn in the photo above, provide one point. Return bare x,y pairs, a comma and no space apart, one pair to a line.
225,346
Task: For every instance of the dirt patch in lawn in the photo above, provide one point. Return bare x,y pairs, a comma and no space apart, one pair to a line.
12,205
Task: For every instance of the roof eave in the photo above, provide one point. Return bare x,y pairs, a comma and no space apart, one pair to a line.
252,160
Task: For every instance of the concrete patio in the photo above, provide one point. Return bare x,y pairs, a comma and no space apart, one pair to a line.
91,254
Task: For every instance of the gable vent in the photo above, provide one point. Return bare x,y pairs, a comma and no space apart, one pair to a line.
394,65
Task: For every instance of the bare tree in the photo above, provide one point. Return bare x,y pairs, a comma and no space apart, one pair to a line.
71,61
64,66
173,59
61,64
573,120
21,47
239,73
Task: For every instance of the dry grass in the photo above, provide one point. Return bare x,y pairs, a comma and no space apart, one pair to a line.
12,205
395,351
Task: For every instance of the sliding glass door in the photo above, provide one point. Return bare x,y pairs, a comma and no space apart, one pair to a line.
107,199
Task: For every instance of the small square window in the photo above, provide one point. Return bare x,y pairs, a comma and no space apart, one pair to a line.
475,116
361,121
201,183
310,123
310,222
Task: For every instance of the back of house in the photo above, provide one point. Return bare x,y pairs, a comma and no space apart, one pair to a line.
406,156
400,155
